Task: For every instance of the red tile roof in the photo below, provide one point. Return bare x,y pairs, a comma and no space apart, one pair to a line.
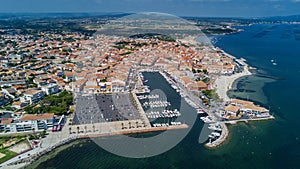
28,117
6,121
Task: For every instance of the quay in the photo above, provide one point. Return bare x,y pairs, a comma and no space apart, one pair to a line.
225,132
84,131
219,141
141,110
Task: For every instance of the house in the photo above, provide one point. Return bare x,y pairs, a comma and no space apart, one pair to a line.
196,86
232,110
40,82
201,85
33,96
10,92
50,89
69,76
15,58
246,107
18,105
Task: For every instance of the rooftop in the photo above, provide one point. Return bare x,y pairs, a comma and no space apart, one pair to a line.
232,108
6,121
28,117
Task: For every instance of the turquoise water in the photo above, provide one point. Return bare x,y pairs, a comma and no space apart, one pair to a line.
266,144
259,45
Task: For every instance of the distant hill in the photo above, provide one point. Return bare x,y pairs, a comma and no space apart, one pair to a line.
56,15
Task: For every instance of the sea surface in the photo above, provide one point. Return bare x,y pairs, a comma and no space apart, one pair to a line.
265,144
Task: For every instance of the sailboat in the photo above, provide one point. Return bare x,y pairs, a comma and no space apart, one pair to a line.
273,62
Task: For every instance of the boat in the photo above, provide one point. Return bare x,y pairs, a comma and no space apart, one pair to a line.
211,136
174,87
215,128
216,134
207,119
273,62
200,111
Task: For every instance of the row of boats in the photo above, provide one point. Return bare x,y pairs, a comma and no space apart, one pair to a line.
161,125
142,97
167,124
216,127
164,114
156,104
207,119
174,123
214,135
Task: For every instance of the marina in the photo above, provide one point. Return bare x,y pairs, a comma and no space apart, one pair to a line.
163,114
156,104
161,111
141,97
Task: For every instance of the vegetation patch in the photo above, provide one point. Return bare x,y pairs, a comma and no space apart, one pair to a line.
57,104
7,155
212,94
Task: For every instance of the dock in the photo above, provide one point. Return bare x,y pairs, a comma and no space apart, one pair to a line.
141,110
218,142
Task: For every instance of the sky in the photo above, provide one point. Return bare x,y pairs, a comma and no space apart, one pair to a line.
213,8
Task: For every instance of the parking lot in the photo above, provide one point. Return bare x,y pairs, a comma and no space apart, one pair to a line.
104,108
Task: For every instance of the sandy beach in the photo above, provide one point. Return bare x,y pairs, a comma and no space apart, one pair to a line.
224,83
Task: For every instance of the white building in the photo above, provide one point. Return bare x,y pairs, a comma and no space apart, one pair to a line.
50,89
33,96
29,122
15,58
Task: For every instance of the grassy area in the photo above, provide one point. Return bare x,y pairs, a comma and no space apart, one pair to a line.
212,94
8,155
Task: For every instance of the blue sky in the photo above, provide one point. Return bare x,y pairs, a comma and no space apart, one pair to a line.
244,8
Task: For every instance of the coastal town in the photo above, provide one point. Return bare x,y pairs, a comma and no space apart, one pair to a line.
58,87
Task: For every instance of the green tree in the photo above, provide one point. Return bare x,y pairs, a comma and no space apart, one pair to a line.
77,129
193,70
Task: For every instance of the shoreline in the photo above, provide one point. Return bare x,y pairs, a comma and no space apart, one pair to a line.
39,154
224,83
